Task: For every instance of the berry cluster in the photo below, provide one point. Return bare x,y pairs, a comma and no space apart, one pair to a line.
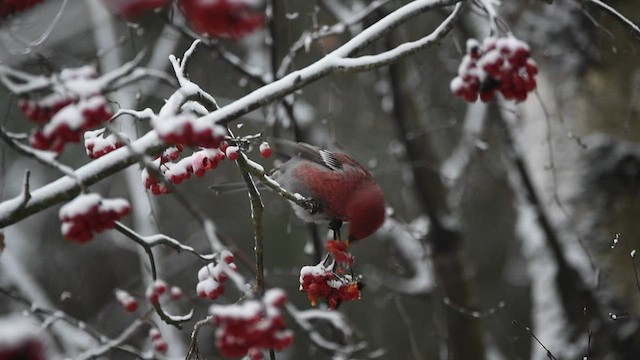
10,7
322,282
498,64
67,87
189,129
155,290
159,345
132,10
128,302
222,18
176,172
72,104
253,325
97,144
90,213
68,124
211,278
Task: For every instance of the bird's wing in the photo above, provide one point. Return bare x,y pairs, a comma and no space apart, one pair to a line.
320,156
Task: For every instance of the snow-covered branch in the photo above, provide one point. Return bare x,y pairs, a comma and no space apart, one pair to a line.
368,62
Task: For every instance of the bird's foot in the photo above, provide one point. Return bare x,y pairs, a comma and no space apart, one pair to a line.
314,207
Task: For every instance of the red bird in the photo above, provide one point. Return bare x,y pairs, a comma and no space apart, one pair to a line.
342,188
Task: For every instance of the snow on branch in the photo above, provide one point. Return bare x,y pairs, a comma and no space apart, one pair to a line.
385,58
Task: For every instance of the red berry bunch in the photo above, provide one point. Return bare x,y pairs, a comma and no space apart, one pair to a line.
322,282
97,144
128,302
253,325
222,18
189,129
9,7
132,10
176,172
155,290
159,345
67,87
68,124
499,64
90,213
211,278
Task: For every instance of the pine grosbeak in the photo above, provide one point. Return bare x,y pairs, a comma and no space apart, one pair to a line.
341,187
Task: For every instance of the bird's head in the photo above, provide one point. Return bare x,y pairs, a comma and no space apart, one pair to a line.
365,211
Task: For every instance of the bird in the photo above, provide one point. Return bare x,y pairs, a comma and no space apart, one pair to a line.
342,189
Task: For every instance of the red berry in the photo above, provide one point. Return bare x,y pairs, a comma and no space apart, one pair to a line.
265,150
232,152
160,346
154,333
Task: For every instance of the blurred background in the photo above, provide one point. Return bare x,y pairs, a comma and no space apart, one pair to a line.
502,216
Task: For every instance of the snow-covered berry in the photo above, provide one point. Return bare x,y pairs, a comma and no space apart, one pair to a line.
265,150
232,152
128,302
90,213
211,278
97,144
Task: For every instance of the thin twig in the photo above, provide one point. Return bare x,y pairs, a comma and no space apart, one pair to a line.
528,330
635,271
26,194
193,344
